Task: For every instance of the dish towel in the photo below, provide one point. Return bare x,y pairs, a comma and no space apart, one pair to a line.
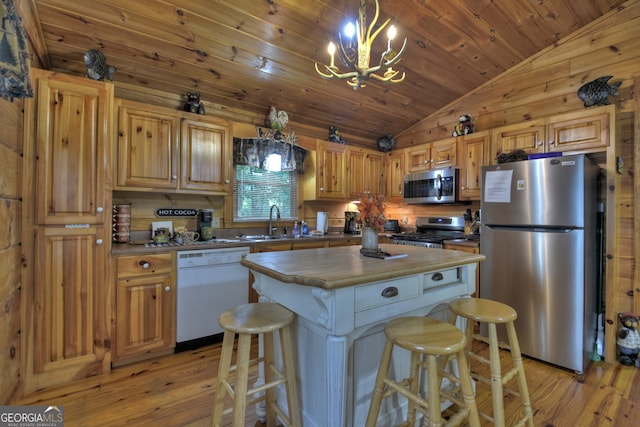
14,55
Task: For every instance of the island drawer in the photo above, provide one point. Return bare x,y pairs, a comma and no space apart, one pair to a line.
384,293
136,265
441,278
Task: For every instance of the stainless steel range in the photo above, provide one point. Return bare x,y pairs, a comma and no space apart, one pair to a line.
431,231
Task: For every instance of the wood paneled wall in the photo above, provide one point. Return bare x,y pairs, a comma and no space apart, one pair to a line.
10,237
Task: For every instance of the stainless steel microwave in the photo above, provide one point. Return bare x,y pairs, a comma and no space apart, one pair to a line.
431,187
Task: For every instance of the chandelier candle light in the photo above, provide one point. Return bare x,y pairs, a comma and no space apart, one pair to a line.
357,58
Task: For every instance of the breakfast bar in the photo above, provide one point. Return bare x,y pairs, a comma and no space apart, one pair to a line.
343,300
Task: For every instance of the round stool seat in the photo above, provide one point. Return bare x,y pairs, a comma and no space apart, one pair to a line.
483,310
255,318
425,335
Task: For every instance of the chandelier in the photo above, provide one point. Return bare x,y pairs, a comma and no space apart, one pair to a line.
356,56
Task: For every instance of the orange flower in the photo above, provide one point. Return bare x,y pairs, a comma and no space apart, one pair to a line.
371,209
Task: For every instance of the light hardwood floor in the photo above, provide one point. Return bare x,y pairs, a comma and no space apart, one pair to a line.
177,390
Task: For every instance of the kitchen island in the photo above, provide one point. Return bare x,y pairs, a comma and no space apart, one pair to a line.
343,300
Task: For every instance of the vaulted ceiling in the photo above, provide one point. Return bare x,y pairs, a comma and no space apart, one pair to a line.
252,54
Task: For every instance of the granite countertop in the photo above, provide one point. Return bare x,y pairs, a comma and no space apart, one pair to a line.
138,247
332,268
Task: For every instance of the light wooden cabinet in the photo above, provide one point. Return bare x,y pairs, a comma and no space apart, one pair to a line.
72,122
474,153
145,323
66,231
474,249
326,172
418,158
433,155
578,131
581,130
396,169
365,172
160,149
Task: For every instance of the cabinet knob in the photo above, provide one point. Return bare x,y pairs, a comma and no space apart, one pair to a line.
174,177
144,264
99,209
539,143
321,188
167,288
226,181
552,142
99,242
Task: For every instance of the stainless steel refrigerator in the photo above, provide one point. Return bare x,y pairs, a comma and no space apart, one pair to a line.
540,242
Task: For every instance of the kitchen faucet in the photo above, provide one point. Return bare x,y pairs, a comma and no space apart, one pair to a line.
271,227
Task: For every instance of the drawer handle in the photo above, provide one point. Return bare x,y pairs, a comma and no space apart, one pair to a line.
437,277
390,292
144,264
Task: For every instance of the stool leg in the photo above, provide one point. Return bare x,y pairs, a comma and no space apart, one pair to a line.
467,390
496,377
267,342
378,390
522,380
242,379
433,389
223,376
290,372
414,380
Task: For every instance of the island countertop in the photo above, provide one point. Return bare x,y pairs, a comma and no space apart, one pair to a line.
332,268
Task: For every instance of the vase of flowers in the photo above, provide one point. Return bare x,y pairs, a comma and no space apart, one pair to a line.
372,219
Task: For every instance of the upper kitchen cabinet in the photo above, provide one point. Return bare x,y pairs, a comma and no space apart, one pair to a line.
396,169
160,149
326,172
474,152
205,155
148,147
528,136
365,171
580,130
70,127
576,132
433,155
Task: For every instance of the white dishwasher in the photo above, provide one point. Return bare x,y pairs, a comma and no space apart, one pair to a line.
209,282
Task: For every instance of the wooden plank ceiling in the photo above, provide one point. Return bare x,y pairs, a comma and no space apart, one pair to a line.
251,54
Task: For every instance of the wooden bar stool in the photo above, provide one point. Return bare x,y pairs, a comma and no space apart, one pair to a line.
247,320
493,313
426,339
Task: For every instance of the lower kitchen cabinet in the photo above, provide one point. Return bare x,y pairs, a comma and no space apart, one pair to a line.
470,247
145,307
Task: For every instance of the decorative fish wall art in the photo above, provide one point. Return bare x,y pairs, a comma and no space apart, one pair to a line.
97,68
597,91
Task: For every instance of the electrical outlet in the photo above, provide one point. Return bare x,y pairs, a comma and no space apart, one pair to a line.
215,222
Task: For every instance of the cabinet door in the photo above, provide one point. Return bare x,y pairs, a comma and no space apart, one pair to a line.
579,131
70,334
419,158
147,147
205,155
145,316
331,179
475,154
72,130
365,172
444,153
528,137
395,175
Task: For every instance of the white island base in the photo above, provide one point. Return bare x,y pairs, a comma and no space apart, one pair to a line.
339,333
